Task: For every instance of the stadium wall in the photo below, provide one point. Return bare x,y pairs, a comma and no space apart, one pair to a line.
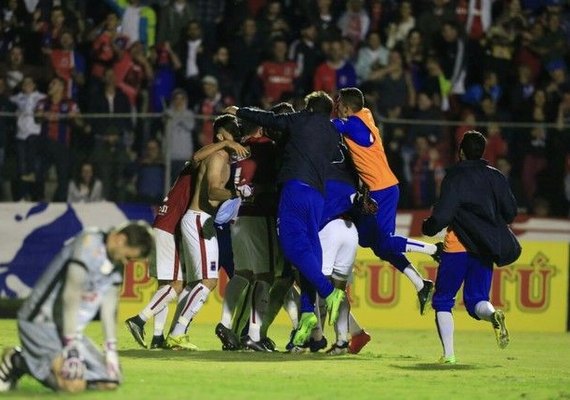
534,291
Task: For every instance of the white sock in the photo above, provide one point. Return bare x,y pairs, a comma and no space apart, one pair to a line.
259,301
353,327
414,276
445,326
484,310
163,295
341,326
234,290
418,246
321,313
188,309
160,320
291,306
277,295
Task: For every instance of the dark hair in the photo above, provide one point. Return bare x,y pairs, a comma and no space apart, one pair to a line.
139,235
247,127
473,145
352,97
229,123
77,179
319,102
279,108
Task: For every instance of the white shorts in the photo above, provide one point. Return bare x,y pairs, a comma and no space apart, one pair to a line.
168,262
339,241
255,245
200,246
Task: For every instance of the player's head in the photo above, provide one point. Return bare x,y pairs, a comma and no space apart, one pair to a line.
279,108
226,127
472,146
350,100
319,102
131,241
248,128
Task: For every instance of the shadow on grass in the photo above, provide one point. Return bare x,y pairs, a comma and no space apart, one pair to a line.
437,366
242,356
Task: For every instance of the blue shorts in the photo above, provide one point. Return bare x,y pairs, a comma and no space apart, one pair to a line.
474,272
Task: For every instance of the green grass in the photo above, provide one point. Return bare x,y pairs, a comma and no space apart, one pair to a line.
396,364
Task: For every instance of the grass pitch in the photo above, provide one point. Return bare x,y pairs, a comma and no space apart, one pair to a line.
396,364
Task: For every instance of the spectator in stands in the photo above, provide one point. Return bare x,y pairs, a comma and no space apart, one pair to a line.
504,165
224,71
174,18
430,21
138,22
393,84
521,92
110,100
426,110
150,174
27,137
552,45
428,172
8,38
56,113
557,82
180,131
306,53
496,144
436,85
277,75
451,52
51,32
110,160
415,53
371,57
133,71
211,104
489,87
245,51
354,22
498,52
335,73
399,29
323,13
104,51
210,14
535,161
5,129
165,64
69,64
85,187
193,55
15,69
268,17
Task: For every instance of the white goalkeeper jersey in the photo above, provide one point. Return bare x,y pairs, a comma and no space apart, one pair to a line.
89,251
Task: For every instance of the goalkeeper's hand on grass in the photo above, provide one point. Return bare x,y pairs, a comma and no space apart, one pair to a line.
73,366
112,360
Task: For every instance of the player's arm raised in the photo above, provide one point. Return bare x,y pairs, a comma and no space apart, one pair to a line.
210,149
216,183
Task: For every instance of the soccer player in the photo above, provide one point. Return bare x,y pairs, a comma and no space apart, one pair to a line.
362,137
83,279
311,146
167,267
199,234
475,203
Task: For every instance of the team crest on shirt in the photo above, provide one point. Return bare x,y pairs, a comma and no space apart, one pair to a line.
213,266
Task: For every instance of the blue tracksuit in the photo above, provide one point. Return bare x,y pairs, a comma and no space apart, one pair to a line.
311,147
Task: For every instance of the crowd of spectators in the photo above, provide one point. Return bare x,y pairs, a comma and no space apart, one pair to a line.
481,63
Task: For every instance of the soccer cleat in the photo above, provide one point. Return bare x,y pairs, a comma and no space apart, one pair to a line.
333,302
8,373
180,342
437,255
338,349
306,324
450,360
248,343
501,332
297,349
135,325
268,343
316,345
228,338
358,341
157,342
425,294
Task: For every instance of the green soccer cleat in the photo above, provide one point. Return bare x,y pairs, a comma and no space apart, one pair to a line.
180,342
306,324
450,360
501,332
333,302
